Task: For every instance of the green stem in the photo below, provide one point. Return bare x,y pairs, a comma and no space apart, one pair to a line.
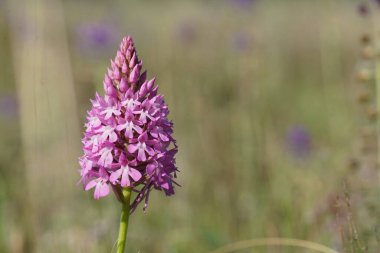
124,218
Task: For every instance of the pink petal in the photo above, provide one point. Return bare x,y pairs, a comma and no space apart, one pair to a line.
165,186
142,117
135,174
150,116
97,191
115,175
90,185
96,122
104,190
132,148
128,132
164,137
108,114
141,155
125,178
112,137
149,150
120,127
109,159
103,137
103,173
122,158
134,74
138,129
154,134
106,158
150,168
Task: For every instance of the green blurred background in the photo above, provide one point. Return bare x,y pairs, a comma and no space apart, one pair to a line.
263,98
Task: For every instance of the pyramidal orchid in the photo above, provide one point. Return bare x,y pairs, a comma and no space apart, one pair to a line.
128,144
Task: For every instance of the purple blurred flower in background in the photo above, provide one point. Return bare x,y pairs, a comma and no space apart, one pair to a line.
98,36
244,4
186,31
363,9
241,42
8,106
299,141
128,139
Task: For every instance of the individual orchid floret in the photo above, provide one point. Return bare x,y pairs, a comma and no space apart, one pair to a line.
100,183
125,172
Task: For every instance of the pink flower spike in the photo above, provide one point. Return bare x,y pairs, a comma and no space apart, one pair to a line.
128,138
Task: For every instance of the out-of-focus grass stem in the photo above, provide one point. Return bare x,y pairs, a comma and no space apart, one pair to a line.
274,242
376,39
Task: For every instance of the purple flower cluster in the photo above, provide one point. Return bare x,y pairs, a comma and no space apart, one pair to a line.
299,141
128,139
96,35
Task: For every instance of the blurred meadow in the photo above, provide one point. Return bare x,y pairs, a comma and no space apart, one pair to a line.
273,141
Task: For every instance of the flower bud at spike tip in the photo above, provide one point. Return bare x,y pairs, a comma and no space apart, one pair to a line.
124,68
142,78
132,63
119,59
111,91
116,73
113,65
123,85
128,137
134,74
143,90
150,84
107,79
110,73
128,54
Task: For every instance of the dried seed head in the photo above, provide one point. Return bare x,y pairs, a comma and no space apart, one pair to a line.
363,9
363,97
371,113
365,39
353,163
368,52
367,132
363,75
